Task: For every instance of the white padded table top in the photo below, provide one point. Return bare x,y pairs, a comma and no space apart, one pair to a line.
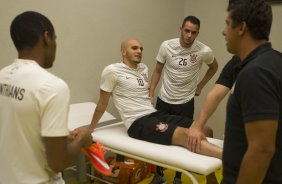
116,137
80,114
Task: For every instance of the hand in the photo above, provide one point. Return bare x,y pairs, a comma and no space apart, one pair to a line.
198,91
83,135
72,136
195,136
152,99
74,133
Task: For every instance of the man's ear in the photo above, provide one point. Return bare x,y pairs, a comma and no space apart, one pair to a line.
46,38
123,51
180,29
243,28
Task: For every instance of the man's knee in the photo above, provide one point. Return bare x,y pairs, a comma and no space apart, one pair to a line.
208,131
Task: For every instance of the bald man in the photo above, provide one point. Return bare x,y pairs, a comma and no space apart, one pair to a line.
127,83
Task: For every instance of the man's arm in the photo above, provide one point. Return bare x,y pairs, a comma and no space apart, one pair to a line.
100,108
209,74
155,80
61,153
261,137
213,98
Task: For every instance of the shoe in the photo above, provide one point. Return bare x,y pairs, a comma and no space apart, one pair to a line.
158,179
177,180
96,153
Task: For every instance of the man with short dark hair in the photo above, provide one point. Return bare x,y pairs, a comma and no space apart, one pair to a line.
181,60
253,131
34,107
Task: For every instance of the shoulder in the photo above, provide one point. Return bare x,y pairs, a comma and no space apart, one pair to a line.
172,43
113,67
47,78
142,66
233,62
52,88
56,84
201,46
258,70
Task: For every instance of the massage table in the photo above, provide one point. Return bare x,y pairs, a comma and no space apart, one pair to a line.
80,114
114,137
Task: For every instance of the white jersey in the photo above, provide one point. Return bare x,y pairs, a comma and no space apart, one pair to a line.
181,69
129,88
33,104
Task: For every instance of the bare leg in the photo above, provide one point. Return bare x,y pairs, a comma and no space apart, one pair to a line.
180,137
208,131
211,178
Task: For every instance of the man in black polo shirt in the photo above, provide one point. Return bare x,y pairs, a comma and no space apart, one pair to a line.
253,133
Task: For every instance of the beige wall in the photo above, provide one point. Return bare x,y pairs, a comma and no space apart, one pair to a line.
90,31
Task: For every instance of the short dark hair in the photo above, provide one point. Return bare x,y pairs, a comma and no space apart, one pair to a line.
192,19
27,27
256,13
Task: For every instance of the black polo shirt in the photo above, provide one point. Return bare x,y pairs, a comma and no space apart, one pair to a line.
227,75
255,95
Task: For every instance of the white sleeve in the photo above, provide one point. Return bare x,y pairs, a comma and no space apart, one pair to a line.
208,56
54,100
108,79
161,57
